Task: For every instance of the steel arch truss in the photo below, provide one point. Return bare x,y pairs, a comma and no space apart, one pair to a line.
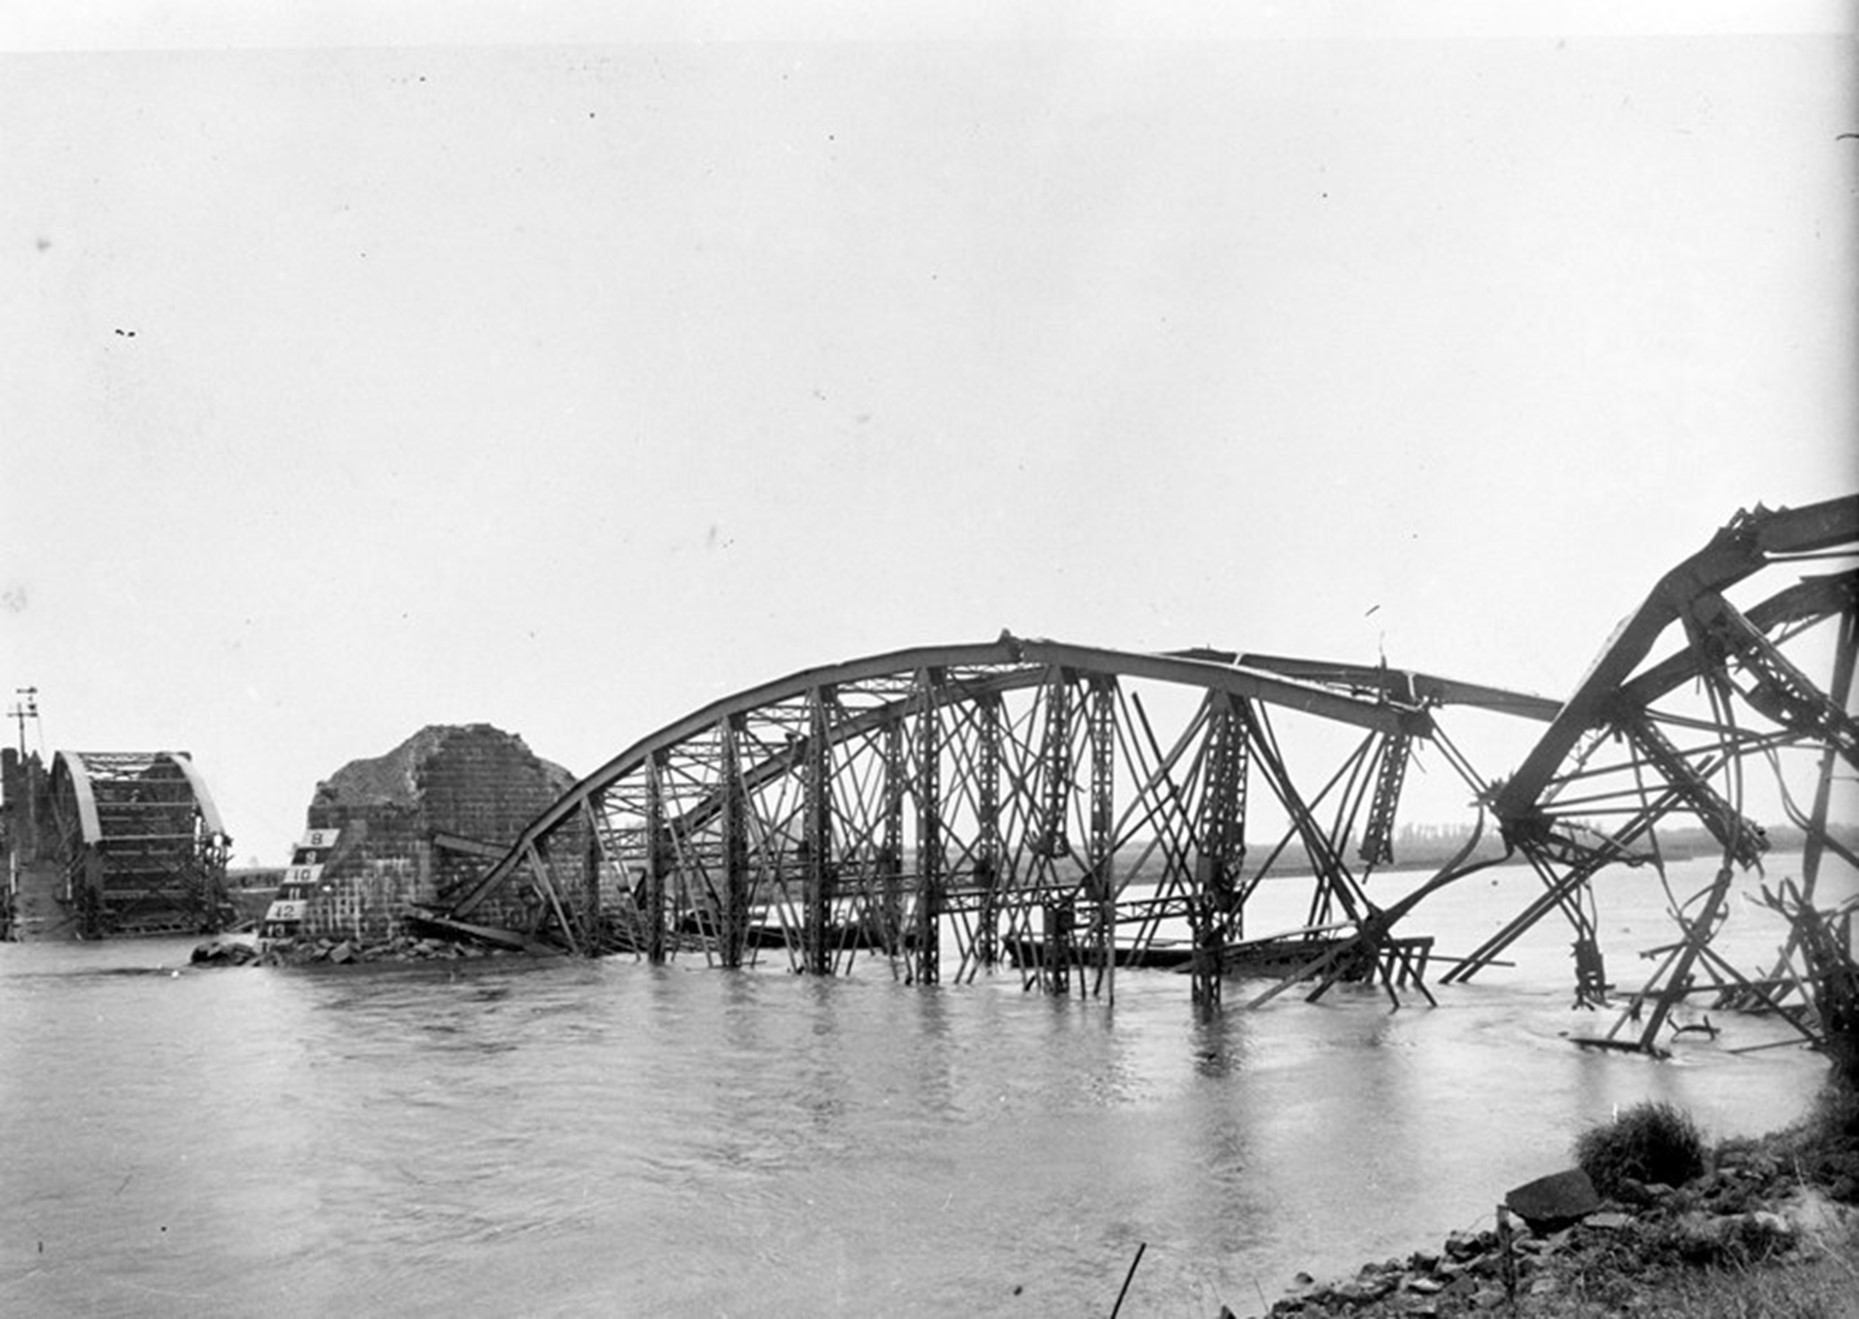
142,844
938,810
1696,707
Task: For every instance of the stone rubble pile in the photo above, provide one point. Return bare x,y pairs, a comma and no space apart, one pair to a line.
339,952
1749,1210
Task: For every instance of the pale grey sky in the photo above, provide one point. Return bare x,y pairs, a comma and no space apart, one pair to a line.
568,385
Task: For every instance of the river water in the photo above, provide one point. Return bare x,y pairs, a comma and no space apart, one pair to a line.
567,1137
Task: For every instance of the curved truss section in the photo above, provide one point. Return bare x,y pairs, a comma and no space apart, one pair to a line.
1727,694
141,841
1065,807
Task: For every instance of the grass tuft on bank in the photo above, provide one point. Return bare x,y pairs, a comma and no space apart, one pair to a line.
1650,1142
1825,1288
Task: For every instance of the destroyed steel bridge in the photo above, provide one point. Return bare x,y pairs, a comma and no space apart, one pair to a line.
945,808
1068,809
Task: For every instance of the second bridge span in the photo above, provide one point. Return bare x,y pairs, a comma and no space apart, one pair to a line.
944,807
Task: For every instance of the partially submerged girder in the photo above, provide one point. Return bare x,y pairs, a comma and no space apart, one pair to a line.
1067,807
1762,690
141,842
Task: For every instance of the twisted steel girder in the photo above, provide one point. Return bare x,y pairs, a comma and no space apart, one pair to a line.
1644,743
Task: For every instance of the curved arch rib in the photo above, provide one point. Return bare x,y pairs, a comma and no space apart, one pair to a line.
1022,664
71,765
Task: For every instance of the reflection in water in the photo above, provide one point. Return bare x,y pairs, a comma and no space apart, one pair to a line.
569,1137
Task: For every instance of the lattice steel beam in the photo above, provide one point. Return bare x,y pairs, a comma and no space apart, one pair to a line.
1101,713
929,830
734,925
817,840
1744,838
1221,842
1378,836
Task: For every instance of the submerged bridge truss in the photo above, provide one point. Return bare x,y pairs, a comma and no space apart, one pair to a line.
1071,808
1062,806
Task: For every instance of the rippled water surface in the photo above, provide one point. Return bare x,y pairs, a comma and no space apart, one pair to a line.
597,1138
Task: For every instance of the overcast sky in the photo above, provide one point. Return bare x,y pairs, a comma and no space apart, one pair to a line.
371,373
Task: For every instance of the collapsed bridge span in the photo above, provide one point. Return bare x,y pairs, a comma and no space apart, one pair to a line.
1073,808
1068,807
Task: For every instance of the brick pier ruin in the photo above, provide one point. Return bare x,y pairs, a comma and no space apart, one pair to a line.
410,827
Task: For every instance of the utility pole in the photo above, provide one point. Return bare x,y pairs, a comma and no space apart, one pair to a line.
27,707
